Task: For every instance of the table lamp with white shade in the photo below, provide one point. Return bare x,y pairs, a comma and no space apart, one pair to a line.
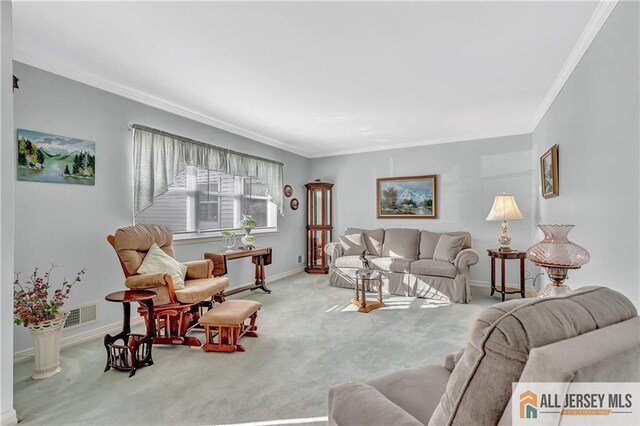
504,209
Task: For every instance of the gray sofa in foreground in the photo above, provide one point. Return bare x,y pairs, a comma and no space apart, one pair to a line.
589,335
411,261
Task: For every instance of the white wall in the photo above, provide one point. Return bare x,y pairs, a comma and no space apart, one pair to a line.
7,414
67,224
595,122
470,175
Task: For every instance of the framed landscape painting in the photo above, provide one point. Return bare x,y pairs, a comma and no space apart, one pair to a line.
549,173
411,197
43,157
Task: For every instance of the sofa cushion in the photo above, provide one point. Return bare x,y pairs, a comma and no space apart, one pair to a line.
195,291
352,244
501,338
349,261
448,247
393,264
428,242
435,268
373,239
400,242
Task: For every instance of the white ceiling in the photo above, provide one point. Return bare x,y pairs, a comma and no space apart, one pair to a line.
319,78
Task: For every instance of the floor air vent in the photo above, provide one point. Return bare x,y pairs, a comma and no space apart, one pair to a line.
81,315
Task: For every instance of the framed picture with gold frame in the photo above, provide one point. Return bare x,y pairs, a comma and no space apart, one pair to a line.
549,179
409,197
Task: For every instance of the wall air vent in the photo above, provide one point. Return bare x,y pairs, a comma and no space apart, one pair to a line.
81,315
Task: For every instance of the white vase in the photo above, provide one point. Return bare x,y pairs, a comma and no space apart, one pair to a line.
46,345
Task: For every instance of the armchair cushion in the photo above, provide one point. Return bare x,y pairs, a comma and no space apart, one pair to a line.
195,291
138,282
416,390
448,247
361,404
133,242
157,260
199,269
352,244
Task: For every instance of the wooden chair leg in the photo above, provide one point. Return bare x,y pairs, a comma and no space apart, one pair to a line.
252,328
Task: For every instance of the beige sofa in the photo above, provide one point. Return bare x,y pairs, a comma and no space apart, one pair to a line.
406,259
590,335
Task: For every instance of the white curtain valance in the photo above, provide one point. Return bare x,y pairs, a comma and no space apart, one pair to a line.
158,157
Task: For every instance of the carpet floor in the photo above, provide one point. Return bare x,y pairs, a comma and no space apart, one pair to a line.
310,338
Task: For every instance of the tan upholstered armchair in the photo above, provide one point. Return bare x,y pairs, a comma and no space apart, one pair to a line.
175,311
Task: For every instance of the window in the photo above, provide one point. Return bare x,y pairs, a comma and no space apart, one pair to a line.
201,201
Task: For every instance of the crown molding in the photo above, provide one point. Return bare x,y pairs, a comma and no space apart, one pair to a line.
513,132
597,20
90,79
599,17
93,80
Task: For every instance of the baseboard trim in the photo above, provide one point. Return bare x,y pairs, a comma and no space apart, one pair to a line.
80,338
9,418
117,326
486,285
272,278
477,283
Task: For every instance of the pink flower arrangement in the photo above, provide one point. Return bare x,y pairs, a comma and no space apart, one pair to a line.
31,303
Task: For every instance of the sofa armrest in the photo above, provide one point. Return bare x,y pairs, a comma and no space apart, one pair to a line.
334,250
361,404
466,258
144,281
199,269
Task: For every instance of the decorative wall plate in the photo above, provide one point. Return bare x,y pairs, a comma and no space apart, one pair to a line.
288,191
294,204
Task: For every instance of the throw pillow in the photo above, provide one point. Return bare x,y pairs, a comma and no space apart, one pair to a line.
157,260
352,244
448,247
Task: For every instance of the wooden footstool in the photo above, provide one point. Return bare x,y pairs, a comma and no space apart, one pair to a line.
229,319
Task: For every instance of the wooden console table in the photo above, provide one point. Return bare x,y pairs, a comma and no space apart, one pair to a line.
260,257
505,255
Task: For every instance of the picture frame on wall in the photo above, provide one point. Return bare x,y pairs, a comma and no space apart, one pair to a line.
44,157
549,177
409,197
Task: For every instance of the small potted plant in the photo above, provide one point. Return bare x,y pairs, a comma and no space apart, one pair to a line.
248,223
36,309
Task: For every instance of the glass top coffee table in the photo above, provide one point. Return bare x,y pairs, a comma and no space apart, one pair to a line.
364,278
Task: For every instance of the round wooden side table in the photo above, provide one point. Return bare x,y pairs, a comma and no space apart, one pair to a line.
503,256
135,350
